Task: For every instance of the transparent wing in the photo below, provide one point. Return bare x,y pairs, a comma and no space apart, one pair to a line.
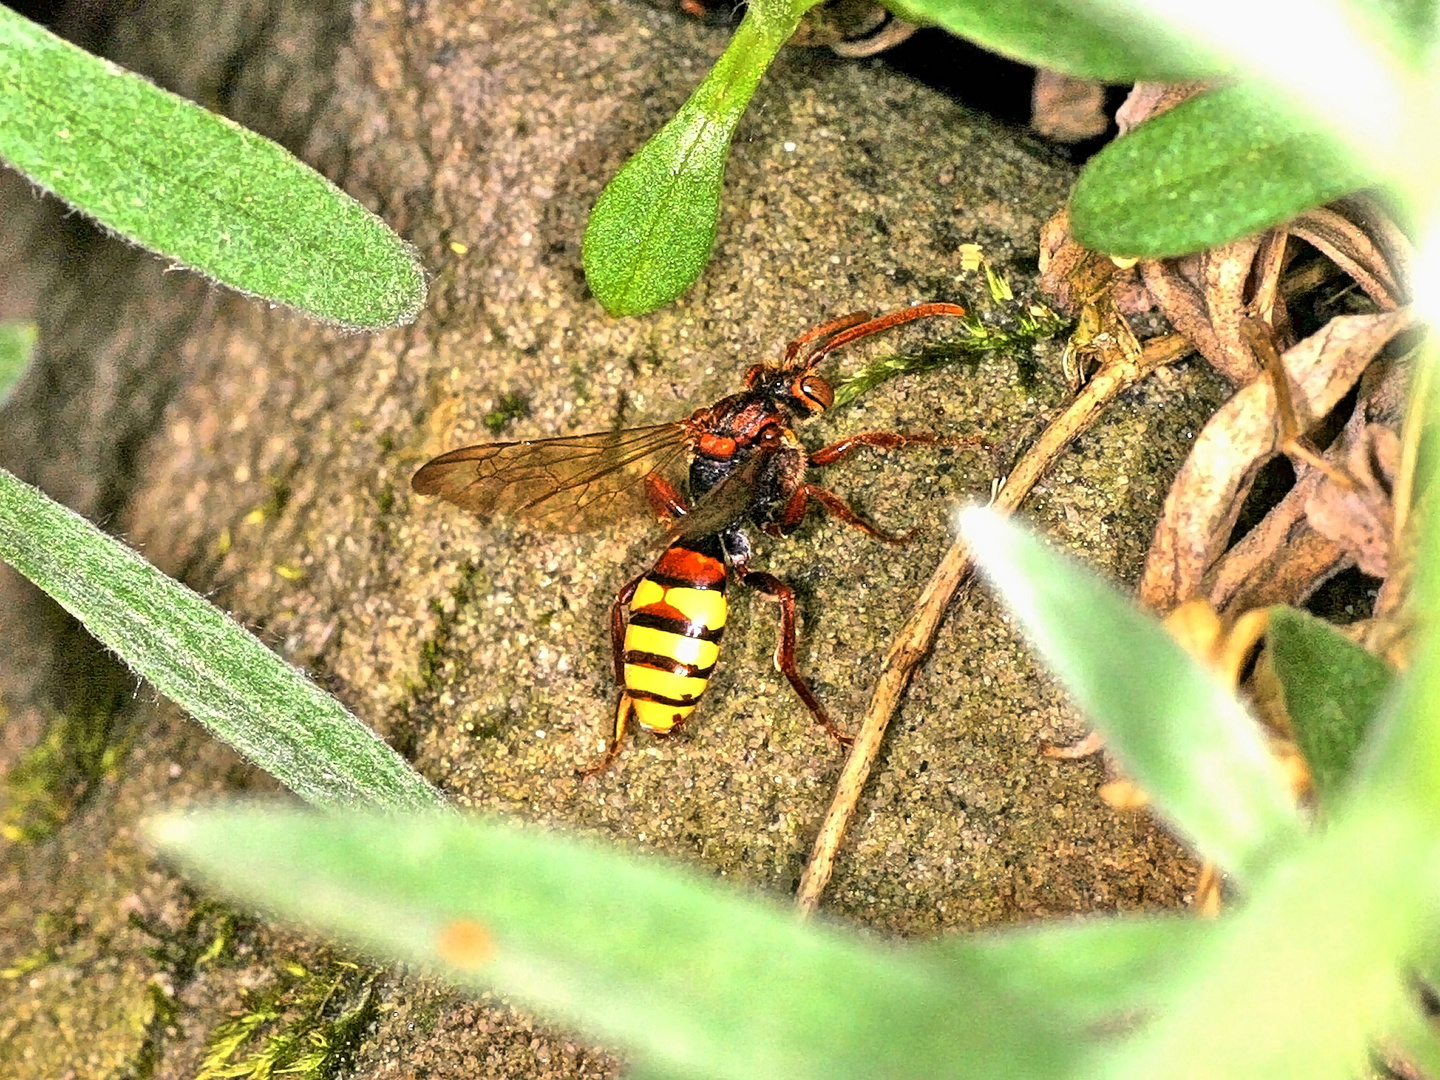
567,484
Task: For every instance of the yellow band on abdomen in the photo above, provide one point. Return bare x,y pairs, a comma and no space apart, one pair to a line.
695,652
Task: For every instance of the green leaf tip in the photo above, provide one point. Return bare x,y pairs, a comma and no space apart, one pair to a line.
169,831
1218,167
650,232
194,187
1182,736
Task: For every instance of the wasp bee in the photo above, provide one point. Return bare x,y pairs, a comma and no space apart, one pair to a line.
746,466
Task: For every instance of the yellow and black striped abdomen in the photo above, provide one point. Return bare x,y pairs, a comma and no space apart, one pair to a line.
677,617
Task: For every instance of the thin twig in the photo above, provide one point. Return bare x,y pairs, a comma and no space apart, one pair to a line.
917,636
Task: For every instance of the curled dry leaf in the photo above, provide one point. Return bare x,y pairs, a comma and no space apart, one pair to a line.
1360,516
1281,560
1267,304
1208,297
1359,237
1284,558
1225,272
1205,499
1183,304
1147,99
852,28
893,33
1070,275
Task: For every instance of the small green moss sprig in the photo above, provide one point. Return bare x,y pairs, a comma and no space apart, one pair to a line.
304,1025
509,407
81,745
1014,328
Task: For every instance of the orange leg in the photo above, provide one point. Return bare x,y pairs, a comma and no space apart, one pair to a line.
622,719
795,509
883,440
664,499
772,588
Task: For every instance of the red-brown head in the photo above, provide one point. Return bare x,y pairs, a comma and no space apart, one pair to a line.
802,392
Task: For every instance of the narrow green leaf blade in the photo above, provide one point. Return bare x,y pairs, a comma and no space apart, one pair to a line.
1180,734
195,187
650,232
1090,972
1088,41
196,655
1333,689
17,344
1218,167
1406,757
693,978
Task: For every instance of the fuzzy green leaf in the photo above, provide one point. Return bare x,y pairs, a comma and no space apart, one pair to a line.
693,978
1333,689
17,343
1088,41
650,233
1304,980
1218,167
195,187
1089,972
1180,734
196,655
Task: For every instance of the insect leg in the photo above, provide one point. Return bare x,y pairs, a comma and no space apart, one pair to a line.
883,440
772,588
617,626
622,719
664,499
795,509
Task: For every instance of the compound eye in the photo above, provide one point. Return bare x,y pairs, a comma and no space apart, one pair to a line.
814,393
770,437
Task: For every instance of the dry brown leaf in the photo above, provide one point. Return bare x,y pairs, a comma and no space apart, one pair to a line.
1360,517
1184,305
1362,241
1067,109
1225,271
1070,275
840,22
1147,99
1206,497
1266,304
1284,559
